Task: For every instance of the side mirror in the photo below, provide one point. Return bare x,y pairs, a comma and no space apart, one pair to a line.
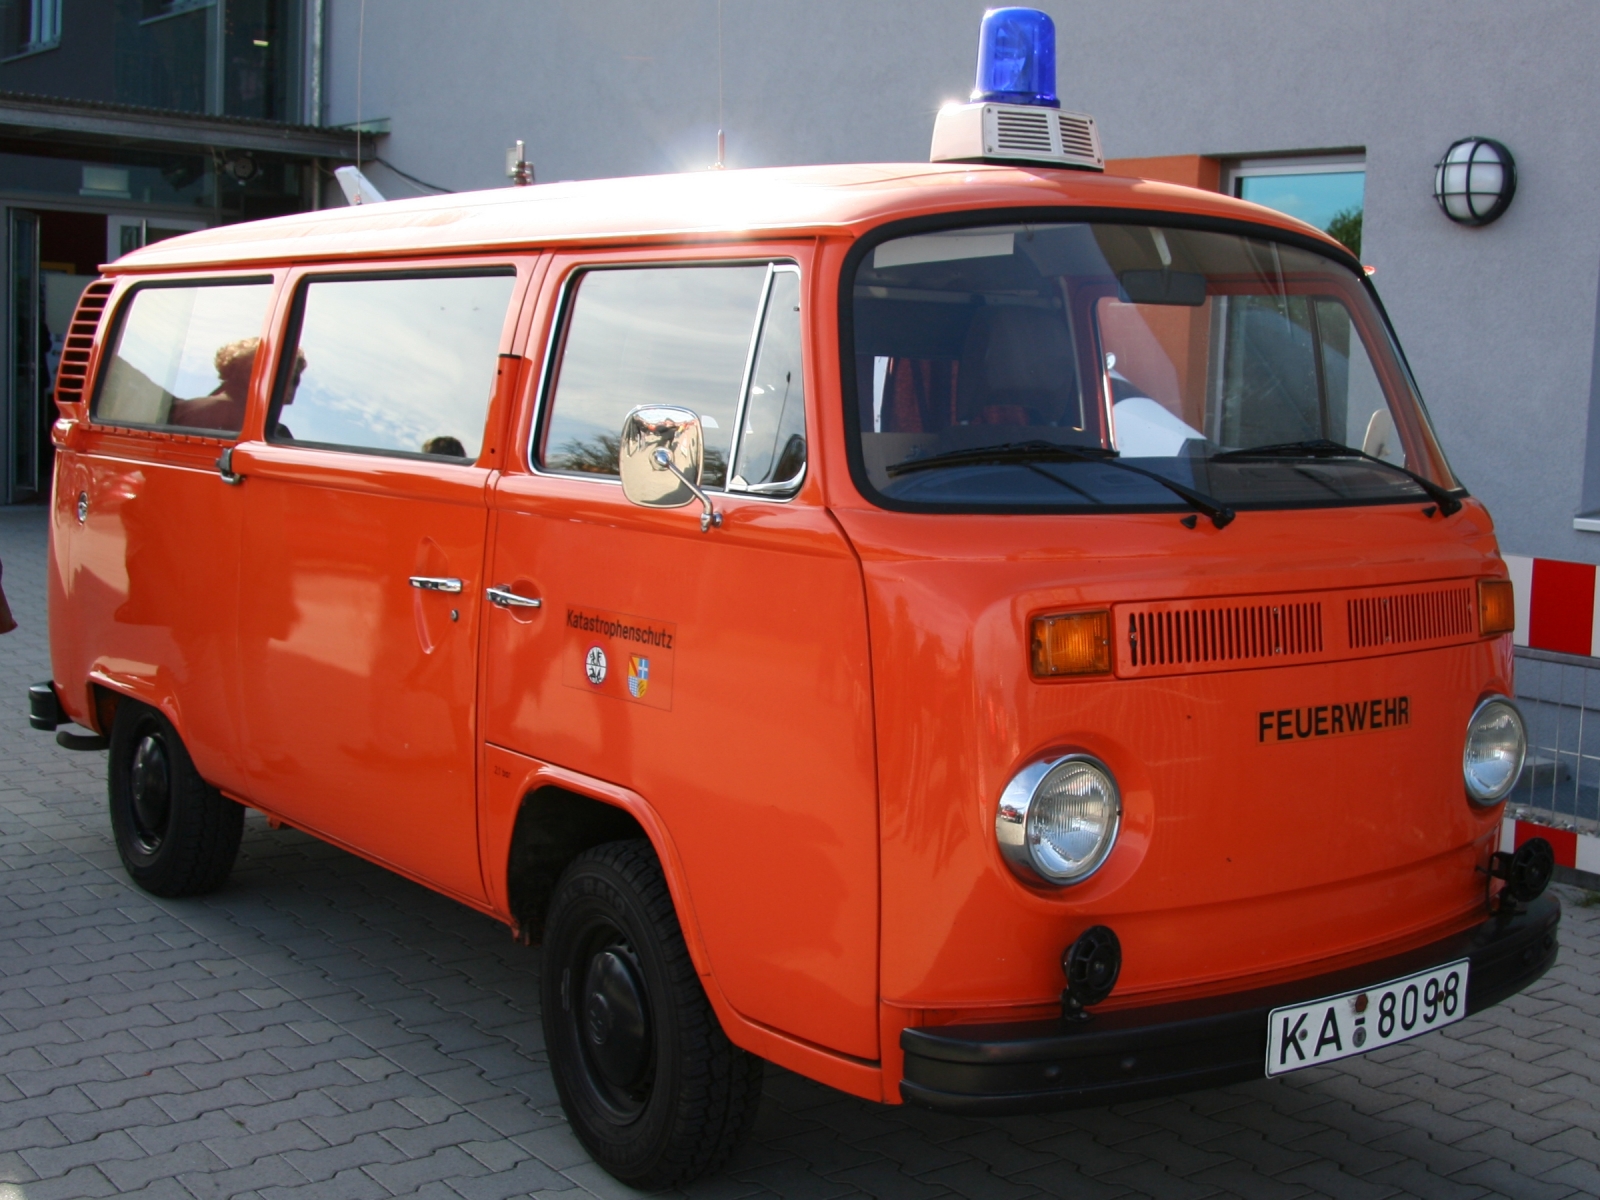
661,453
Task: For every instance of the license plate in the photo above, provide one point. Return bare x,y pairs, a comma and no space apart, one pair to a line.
1308,1035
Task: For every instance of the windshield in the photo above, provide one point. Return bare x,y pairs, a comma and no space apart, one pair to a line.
1253,372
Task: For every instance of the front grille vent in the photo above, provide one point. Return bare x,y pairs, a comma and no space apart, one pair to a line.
1407,617
1224,634
1021,132
73,372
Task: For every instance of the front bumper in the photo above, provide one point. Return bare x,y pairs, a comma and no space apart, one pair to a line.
1136,1053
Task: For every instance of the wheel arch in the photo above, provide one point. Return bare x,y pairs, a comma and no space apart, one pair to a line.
511,779
106,692
540,816
103,706
553,826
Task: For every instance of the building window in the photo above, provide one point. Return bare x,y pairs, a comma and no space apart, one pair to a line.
1326,191
30,26
237,59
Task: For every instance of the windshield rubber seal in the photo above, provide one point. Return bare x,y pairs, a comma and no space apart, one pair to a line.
1057,215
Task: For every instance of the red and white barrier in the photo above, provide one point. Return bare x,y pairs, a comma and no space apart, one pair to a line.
1580,851
1556,607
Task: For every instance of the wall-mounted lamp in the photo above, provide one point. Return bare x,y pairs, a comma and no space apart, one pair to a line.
1475,181
240,165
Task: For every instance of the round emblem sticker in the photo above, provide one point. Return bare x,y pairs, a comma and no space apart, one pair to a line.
594,665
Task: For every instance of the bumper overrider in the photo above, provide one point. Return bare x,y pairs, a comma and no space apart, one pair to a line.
1135,1053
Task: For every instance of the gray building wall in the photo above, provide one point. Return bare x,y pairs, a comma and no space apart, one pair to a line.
1499,323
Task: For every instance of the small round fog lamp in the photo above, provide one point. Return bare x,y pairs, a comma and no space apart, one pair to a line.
1058,819
1496,746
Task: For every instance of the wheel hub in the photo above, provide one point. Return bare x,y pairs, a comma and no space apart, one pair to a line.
150,783
615,1027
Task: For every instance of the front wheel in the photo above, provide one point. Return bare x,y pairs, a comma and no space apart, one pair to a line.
176,834
650,1083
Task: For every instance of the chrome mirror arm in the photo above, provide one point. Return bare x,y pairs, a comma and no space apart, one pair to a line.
710,516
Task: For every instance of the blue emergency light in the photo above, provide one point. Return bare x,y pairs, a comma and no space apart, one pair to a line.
1017,58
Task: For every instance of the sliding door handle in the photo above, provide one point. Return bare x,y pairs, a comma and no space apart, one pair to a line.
504,597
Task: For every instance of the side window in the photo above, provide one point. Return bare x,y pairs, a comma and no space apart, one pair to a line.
686,336
772,435
183,357
393,364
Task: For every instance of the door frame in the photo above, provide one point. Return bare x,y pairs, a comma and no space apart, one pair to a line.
23,413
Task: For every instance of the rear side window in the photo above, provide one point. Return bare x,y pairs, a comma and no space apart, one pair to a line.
393,365
721,341
183,356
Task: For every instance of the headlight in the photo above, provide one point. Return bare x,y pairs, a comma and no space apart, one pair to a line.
1496,746
1058,819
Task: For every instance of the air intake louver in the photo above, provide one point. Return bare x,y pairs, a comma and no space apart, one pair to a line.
1077,136
1020,131
73,372
1406,617
1235,634
1012,133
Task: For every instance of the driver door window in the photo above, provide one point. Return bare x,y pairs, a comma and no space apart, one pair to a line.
722,341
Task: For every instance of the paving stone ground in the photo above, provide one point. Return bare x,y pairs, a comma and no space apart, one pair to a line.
321,1028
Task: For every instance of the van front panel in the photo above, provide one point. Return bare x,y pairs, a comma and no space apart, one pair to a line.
1244,851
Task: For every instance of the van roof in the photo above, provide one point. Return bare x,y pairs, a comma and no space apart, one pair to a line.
695,206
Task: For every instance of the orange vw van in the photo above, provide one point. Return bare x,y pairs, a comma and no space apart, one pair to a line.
984,636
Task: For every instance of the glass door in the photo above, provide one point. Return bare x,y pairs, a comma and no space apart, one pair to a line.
25,430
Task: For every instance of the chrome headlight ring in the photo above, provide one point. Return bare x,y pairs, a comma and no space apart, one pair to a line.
1495,748
1058,819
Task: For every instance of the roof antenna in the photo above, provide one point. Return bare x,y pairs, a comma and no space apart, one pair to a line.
357,187
361,41
722,142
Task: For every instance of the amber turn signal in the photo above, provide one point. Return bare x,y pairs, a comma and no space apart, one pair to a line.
1072,644
1497,610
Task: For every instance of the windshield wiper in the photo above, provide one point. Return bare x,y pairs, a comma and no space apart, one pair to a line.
1024,453
1327,448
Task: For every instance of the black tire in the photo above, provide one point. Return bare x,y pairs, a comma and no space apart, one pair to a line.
177,835
650,1083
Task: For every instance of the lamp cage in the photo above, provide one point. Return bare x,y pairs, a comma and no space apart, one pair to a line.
1475,181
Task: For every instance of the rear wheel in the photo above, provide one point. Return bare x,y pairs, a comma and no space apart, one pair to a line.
650,1083
176,834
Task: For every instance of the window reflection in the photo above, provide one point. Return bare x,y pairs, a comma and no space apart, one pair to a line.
772,444
183,358
1241,367
1329,196
666,335
395,365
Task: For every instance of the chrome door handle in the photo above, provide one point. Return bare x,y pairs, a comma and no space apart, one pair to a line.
503,596
225,468
429,583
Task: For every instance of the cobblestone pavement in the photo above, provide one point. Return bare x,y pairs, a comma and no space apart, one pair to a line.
321,1028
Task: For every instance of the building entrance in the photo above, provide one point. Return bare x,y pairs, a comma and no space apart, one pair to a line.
51,256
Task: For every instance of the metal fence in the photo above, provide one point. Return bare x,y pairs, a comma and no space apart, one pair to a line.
1559,695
